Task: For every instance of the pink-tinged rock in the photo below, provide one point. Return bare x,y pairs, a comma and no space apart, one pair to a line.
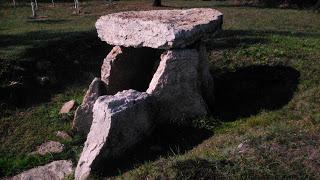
57,170
119,123
176,86
63,135
67,107
83,116
49,147
159,29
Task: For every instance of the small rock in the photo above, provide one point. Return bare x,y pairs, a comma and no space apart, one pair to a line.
49,147
242,147
14,84
63,135
56,170
67,107
43,80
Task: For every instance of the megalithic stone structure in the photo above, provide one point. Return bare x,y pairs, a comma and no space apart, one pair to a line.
157,72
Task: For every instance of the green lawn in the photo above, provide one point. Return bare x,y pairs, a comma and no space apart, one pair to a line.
266,121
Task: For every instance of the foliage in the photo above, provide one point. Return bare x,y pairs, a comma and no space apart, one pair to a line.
276,3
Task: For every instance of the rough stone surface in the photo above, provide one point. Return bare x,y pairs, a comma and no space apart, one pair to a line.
129,68
119,122
176,86
49,147
56,170
207,84
63,135
66,108
83,115
159,29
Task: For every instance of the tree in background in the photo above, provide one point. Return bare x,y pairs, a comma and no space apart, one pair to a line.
317,6
157,3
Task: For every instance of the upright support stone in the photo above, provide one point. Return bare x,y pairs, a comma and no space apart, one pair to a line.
119,123
207,84
176,86
83,116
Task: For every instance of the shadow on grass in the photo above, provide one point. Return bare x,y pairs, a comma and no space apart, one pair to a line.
54,61
166,140
249,90
199,168
241,93
47,21
230,39
268,4
69,58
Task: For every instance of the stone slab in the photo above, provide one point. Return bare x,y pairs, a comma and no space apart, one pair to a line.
119,122
57,170
159,29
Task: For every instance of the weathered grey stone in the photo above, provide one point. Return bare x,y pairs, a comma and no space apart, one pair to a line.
207,84
159,29
129,68
119,122
83,115
176,86
66,108
56,170
63,135
49,147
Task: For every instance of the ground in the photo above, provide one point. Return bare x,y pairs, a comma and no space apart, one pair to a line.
266,120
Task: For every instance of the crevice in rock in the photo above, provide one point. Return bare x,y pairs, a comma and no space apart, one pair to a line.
131,68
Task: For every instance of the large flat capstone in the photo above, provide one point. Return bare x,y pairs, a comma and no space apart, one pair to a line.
159,29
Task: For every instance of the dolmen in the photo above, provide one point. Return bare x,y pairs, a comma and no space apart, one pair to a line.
157,72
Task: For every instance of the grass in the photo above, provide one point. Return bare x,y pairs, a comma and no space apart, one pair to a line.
266,119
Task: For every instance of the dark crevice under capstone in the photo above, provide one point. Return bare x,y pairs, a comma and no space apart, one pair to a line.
133,69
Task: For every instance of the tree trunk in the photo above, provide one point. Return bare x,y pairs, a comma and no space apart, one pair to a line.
33,8
36,3
157,3
317,6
